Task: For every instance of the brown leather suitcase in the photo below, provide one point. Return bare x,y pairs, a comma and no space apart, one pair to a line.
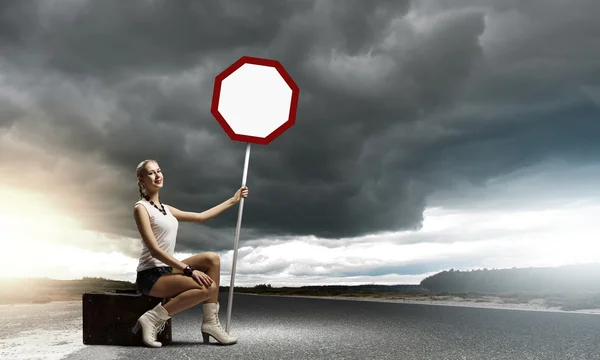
109,317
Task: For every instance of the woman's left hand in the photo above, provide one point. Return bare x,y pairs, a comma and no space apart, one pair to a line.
241,193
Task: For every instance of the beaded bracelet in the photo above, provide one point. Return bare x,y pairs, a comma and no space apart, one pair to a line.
189,270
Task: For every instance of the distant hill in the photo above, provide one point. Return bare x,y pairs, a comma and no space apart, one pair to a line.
570,278
332,290
40,290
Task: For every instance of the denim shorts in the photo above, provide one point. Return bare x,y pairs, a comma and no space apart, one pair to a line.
147,278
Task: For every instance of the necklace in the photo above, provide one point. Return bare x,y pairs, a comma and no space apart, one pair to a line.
157,208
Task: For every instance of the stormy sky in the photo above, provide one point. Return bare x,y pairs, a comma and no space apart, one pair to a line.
429,135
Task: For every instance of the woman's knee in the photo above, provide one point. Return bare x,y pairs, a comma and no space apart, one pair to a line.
206,291
213,258
212,289
200,293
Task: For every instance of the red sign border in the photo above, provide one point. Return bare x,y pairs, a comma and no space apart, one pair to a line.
217,93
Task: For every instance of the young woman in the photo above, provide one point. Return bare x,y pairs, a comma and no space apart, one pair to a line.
188,282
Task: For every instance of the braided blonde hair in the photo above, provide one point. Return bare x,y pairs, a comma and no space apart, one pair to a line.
140,172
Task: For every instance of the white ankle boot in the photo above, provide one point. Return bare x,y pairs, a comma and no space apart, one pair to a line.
212,327
152,322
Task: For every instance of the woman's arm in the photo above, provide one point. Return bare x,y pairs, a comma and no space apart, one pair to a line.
210,213
203,216
142,221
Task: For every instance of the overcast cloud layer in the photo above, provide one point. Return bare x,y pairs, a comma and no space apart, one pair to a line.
403,105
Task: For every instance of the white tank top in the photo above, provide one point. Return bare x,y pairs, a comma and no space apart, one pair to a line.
165,232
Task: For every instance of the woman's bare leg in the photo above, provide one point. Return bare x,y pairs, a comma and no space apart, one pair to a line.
210,263
184,291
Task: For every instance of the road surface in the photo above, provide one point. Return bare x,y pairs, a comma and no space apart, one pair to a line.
307,328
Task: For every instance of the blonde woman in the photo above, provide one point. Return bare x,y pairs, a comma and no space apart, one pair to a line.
188,282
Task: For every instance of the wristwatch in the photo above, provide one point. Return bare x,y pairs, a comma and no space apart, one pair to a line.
189,270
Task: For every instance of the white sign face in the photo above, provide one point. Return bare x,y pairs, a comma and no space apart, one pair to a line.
255,100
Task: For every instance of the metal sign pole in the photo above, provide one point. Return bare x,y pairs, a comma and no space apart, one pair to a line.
237,237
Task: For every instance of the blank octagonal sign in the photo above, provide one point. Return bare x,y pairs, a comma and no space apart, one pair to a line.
255,100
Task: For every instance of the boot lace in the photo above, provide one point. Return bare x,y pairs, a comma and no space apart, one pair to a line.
219,326
159,328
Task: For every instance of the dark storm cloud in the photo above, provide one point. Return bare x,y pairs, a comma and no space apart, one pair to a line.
115,38
9,113
398,101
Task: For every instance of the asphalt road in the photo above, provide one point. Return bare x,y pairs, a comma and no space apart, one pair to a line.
304,328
